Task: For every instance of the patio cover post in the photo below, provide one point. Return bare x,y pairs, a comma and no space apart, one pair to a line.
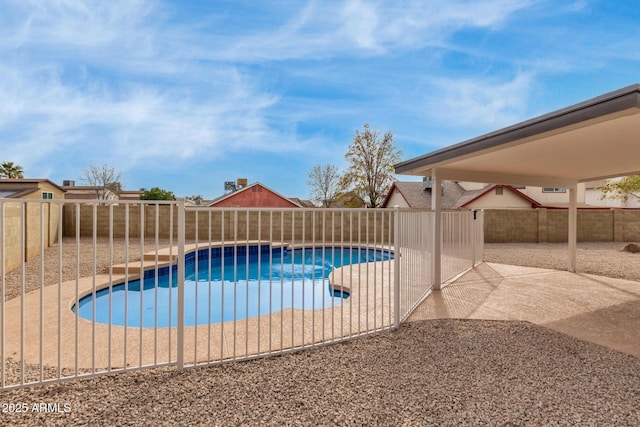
436,207
573,227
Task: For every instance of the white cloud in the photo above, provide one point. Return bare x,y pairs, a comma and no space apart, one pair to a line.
64,24
415,23
93,78
360,23
479,103
42,114
338,28
134,80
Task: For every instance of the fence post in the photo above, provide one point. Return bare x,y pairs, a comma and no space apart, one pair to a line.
480,238
436,207
474,236
2,298
396,267
180,272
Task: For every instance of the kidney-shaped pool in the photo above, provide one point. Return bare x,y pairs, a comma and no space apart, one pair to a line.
236,283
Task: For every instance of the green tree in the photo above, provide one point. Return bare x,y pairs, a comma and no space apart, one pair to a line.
624,189
371,166
11,170
324,183
157,193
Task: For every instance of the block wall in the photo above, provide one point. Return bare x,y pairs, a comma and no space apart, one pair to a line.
278,225
40,222
551,225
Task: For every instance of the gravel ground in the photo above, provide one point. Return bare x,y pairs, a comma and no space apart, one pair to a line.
70,262
437,372
601,258
443,372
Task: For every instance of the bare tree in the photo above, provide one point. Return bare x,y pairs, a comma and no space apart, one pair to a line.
324,183
106,179
371,165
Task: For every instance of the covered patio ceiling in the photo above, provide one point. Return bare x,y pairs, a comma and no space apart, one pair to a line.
595,139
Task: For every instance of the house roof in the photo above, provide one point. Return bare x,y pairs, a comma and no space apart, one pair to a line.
20,187
419,198
469,198
235,193
303,202
29,181
592,140
453,197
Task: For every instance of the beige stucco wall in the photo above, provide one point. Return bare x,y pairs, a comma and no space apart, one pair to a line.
543,198
507,200
396,199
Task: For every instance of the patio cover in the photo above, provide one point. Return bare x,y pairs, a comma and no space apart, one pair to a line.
595,139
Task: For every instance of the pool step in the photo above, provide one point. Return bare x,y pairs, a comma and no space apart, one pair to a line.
169,256
134,268
164,258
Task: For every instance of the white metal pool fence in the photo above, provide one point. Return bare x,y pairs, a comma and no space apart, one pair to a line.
112,249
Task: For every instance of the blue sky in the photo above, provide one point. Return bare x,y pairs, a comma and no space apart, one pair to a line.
185,95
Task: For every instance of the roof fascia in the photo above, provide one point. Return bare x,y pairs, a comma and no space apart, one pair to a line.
615,102
390,193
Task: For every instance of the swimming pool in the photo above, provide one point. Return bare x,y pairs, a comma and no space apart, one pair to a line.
231,284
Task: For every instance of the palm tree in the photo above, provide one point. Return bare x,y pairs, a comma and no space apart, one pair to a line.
11,170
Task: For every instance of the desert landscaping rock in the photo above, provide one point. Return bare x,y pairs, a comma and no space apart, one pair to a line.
435,372
631,247
440,372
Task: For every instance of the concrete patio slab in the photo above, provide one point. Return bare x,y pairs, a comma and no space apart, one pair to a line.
598,309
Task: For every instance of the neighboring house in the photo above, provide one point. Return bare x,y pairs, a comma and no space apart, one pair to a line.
88,192
495,196
588,195
130,194
196,202
464,195
417,195
254,196
30,189
553,196
303,202
32,226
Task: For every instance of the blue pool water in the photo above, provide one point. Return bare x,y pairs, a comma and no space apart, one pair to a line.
255,282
